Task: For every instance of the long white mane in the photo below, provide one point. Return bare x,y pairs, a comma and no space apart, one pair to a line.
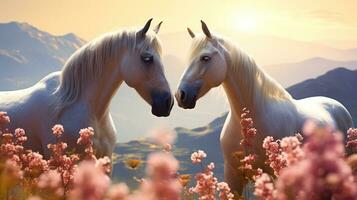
88,63
248,74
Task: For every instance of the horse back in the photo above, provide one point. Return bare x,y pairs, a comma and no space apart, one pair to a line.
326,111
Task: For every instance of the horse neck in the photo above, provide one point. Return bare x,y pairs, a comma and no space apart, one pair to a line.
100,92
237,96
248,94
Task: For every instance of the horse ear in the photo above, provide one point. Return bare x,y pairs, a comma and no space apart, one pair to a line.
192,34
157,28
142,32
205,29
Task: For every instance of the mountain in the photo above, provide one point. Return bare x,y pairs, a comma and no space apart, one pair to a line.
310,68
339,84
27,54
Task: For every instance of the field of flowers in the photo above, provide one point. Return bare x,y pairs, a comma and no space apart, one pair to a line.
316,165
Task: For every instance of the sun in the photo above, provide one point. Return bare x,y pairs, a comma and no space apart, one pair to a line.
247,23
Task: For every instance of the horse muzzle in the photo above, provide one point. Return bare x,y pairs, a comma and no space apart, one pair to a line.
186,96
162,103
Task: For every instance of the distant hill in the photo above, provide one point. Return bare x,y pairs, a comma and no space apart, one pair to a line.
310,68
28,54
339,84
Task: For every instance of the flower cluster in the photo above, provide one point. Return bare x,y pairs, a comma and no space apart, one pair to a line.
247,130
318,170
207,183
197,157
47,179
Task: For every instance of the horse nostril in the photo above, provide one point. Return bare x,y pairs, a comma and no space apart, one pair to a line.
182,96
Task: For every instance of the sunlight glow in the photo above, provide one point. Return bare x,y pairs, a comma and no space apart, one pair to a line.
246,23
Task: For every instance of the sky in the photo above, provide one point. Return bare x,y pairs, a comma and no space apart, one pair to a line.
318,20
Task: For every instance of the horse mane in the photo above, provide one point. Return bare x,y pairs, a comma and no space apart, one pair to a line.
87,63
241,64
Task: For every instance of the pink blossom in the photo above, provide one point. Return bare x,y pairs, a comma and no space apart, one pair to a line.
85,136
4,118
161,166
163,136
167,147
104,164
34,164
275,159
197,157
20,136
264,187
90,183
224,191
248,161
57,130
118,192
247,130
352,140
206,184
322,173
85,139
291,151
161,183
51,181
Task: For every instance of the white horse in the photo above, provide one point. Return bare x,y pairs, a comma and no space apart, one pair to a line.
80,94
216,61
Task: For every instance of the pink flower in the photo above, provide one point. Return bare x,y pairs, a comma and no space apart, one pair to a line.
162,182
90,183
161,166
247,130
57,130
248,162
51,181
275,159
163,136
104,164
118,192
4,118
197,157
206,184
34,164
264,187
85,136
85,139
20,136
352,140
291,151
167,147
322,173
224,191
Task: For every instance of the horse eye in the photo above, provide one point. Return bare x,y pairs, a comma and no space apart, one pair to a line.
147,58
205,58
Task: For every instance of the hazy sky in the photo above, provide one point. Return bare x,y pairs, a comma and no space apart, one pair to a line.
297,19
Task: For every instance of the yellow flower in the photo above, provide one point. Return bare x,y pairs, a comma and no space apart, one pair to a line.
184,179
133,163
